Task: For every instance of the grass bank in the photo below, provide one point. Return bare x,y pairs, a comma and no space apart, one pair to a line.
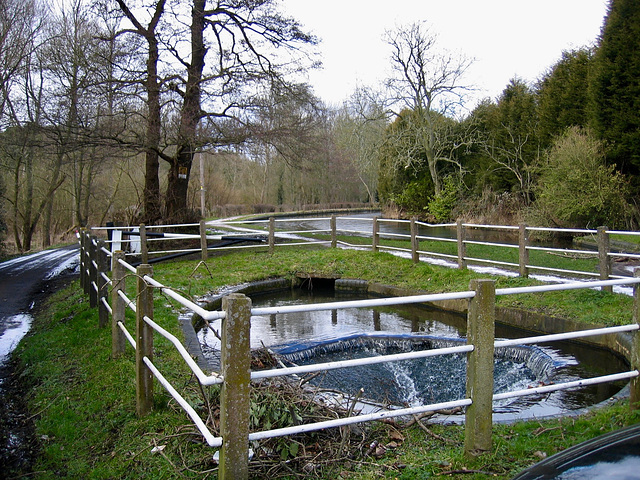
83,402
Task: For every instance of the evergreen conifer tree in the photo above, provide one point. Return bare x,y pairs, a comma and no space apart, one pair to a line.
615,86
562,94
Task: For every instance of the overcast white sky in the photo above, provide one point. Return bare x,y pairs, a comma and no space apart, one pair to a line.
506,37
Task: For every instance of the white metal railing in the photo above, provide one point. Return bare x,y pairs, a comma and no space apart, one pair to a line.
359,362
299,236
217,378
602,270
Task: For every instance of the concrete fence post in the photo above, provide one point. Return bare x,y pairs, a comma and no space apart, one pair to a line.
144,248
374,238
93,272
462,247
103,290
603,257
334,236
203,240
234,396
144,341
415,256
118,283
523,243
272,234
480,333
634,394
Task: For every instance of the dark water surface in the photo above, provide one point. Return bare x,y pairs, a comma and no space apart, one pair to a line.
314,337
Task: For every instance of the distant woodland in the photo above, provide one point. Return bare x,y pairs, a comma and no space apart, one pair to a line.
146,111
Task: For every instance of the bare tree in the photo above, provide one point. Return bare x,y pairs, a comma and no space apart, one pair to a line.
152,85
426,81
359,129
22,155
20,25
216,59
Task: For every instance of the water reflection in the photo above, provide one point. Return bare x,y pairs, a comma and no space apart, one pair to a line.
279,329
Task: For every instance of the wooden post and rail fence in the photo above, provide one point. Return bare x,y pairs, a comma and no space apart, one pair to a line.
235,344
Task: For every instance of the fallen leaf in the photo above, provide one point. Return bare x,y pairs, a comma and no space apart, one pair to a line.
158,448
539,454
396,436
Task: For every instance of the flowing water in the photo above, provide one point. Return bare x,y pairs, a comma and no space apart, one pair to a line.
314,337
361,223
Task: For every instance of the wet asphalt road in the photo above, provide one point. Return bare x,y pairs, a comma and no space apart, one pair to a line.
22,278
24,282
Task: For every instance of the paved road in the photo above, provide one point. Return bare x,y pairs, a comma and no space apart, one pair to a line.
21,278
24,282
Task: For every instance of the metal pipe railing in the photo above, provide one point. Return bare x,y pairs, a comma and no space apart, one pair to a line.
126,333
566,286
369,417
376,302
91,268
205,314
567,385
202,378
127,301
358,362
567,335
211,440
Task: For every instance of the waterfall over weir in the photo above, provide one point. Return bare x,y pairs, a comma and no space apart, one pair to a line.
420,381
324,336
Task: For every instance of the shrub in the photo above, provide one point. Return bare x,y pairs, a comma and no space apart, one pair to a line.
575,188
414,198
443,203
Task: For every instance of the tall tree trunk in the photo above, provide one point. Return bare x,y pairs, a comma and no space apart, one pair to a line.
14,210
48,203
151,196
27,230
46,223
178,180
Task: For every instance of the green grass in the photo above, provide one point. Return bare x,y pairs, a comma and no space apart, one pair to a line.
83,401
507,254
197,279
633,239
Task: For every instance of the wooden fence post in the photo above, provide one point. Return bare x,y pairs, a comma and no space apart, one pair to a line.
374,238
634,394
481,334
87,262
234,397
144,248
462,249
83,246
203,240
144,341
603,257
118,283
523,242
93,272
415,256
272,234
334,236
103,313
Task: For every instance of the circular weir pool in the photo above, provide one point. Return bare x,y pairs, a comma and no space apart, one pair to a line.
315,337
